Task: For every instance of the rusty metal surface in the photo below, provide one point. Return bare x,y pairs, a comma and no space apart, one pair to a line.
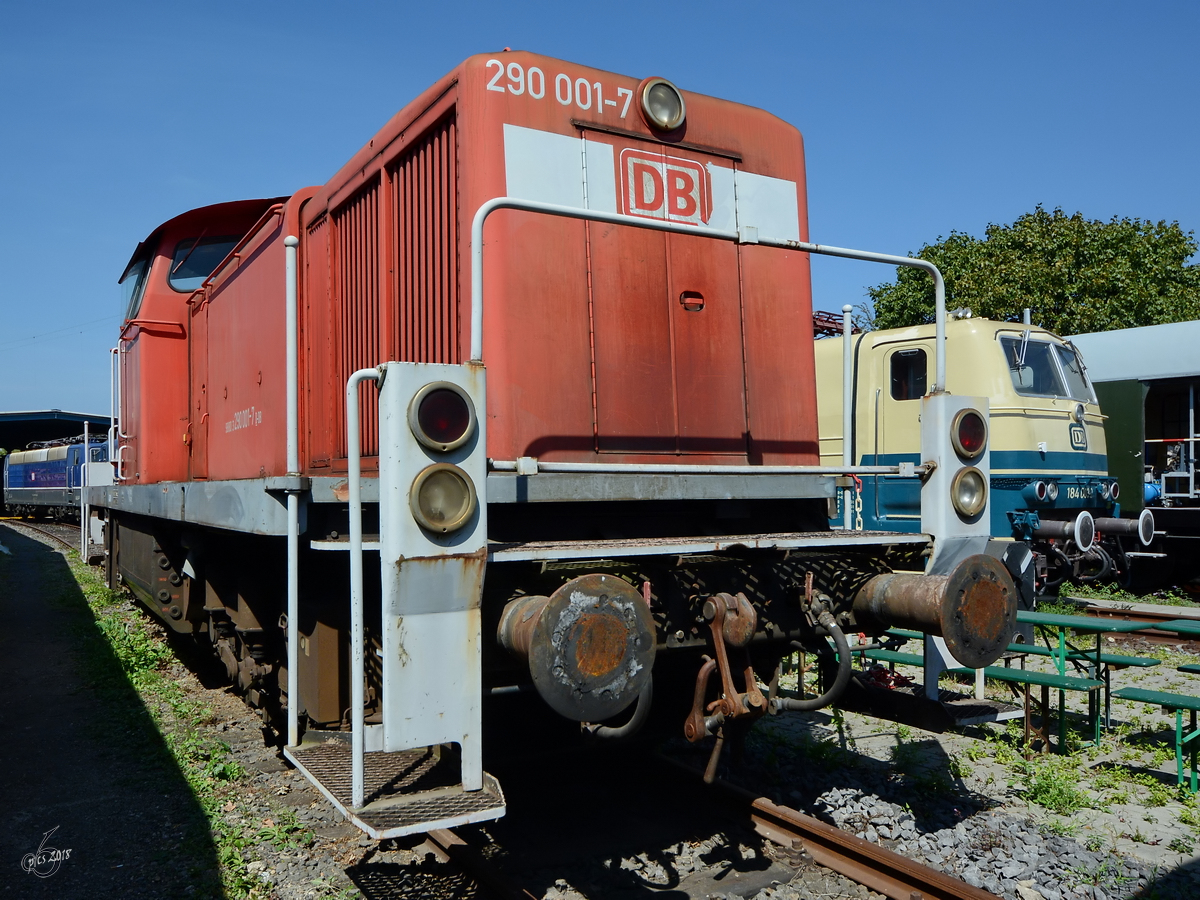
561,550
592,648
974,608
980,611
517,622
876,867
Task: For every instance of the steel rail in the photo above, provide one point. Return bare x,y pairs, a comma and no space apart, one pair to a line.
447,844
70,545
877,868
872,866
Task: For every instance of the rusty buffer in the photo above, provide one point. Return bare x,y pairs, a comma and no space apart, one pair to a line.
974,608
590,645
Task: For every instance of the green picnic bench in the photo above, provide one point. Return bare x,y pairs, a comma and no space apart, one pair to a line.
1116,660
894,657
1176,703
1023,678
1193,668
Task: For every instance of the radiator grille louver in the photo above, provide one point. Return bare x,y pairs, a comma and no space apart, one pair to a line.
356,280
424,196
412,218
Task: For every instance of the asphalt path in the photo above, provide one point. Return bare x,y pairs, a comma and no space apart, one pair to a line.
84,775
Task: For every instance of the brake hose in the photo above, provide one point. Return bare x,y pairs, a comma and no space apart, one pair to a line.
792,704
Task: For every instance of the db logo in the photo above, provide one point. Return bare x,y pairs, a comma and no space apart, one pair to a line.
664,187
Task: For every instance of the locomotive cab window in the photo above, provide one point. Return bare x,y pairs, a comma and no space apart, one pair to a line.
195,260
1042,369
132,282
1073,372
909,369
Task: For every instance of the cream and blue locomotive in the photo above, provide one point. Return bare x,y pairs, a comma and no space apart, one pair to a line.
1049,481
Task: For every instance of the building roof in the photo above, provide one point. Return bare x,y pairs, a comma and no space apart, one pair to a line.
17,429
1143,354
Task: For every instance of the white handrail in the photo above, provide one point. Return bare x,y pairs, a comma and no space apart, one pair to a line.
354,476
847,408
524,465
290,244
748,236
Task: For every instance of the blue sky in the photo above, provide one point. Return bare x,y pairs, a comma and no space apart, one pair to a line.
919,118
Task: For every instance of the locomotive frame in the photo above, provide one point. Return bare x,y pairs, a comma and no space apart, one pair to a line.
631,482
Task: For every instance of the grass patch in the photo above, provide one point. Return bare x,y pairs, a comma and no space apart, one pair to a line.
1166,597
214,777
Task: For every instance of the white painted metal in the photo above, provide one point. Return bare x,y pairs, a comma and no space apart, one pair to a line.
293,500
84,459
1145,354
847,409
609,549
354,473
512,465
432,583
954,536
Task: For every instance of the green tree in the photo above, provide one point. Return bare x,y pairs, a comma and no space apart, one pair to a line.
1076,275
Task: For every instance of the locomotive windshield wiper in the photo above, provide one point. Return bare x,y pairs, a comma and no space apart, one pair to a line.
191,250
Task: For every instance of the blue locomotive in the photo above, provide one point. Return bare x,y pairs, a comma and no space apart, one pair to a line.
43,481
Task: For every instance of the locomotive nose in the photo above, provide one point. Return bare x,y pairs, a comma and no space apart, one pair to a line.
974,608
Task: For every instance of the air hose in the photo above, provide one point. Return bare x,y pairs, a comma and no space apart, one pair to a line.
791,704
641,713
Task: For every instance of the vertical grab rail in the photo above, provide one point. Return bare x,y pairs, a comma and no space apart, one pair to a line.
293,498
354,473
847,410
85,457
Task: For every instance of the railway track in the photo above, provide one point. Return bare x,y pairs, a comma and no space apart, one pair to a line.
64,535
804,840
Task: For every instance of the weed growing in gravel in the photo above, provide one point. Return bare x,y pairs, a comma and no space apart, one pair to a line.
286,833
1167,597
1182,845
1051,782
1061,827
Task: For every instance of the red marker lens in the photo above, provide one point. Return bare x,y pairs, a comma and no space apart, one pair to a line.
444,416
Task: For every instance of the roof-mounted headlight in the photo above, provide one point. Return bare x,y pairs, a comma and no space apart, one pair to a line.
662,104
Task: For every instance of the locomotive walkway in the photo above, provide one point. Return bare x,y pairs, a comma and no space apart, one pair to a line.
80,756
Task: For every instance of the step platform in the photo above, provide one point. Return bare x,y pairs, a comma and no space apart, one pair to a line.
409,792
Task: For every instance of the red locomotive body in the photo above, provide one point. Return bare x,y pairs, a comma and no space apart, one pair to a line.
645,313
602,341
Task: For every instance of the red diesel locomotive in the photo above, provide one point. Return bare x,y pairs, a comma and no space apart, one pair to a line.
542,346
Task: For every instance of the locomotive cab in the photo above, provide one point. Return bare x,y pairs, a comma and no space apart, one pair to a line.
1049,481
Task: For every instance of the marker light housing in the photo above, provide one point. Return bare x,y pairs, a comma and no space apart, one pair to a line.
662,104
968,492
441,416
442,498
969,433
